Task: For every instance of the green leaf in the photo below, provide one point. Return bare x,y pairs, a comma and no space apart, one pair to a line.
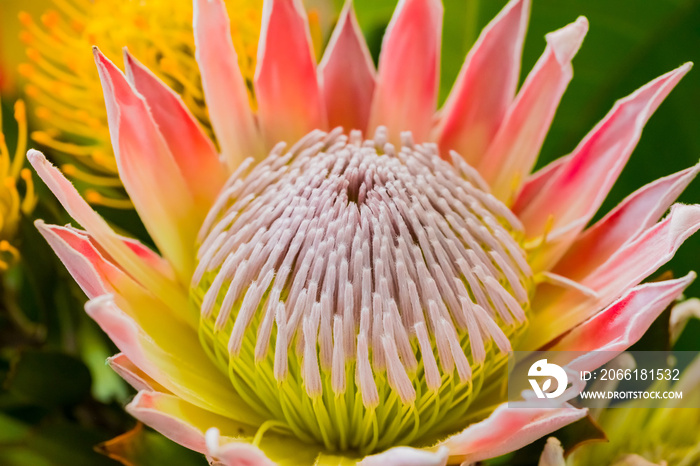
688,340
48,379
51,443
11,430
94,350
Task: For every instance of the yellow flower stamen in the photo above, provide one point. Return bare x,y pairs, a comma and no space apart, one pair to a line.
96,198
63,87
30,198
14,203
95,180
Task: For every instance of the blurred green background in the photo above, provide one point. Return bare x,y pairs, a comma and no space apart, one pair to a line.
45,338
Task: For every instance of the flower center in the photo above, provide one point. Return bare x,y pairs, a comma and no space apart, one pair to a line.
357,295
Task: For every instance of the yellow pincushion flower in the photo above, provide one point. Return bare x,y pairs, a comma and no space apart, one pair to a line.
12,203
63,88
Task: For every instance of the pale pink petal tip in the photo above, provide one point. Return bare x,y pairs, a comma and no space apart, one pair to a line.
134,376
34,156
553,454
681,314
566,41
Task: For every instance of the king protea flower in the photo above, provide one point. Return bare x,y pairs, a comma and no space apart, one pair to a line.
351,296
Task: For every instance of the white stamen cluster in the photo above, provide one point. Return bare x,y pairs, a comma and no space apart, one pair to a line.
344,250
